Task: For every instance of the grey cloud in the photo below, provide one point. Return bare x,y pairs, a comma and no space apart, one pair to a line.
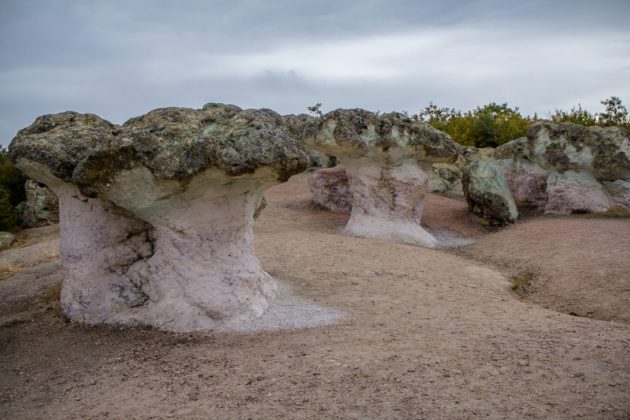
121,58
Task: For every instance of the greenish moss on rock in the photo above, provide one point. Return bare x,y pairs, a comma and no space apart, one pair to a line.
487,193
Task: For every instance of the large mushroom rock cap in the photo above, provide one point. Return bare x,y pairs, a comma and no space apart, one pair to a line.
357,133
177,143
173,143
603,151
60,141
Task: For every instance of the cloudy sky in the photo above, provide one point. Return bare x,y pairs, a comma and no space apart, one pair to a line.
121,58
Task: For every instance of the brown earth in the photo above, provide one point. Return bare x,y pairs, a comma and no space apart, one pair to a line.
427,333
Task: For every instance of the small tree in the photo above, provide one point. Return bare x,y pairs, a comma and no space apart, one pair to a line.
432,114
615,113
315,110
576,115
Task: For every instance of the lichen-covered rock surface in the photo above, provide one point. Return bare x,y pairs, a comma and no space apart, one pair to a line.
569,168
40,208
390,138
387,158
157,215
487,193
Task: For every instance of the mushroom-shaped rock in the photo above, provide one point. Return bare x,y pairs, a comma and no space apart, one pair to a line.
157,215
386,158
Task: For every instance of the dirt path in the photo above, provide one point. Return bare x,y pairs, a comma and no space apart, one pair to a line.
427,334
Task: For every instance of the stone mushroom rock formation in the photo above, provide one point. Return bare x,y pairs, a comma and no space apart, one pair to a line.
387,158
157,215
487,193
330,189
586,168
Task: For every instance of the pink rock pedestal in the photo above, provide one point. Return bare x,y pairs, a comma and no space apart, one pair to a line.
329,189
387,201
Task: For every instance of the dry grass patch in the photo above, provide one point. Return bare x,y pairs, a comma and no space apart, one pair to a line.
52,252
521,283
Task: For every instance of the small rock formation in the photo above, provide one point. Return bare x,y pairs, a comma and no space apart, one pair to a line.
487,193
576,192
157,215
330,189
387,158
566,168
6,239
41,207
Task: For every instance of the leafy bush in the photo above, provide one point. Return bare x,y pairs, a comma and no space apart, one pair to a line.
11,190
576,115
494,124
7,214
614,114
487,126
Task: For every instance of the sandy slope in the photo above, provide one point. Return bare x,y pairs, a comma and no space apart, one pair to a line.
427,334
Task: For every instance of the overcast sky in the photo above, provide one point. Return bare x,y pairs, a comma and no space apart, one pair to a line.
120,59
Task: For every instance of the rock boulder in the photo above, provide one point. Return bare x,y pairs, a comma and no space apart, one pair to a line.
157,215
487,193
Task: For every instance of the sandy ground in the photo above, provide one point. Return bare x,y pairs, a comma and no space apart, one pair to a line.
426,333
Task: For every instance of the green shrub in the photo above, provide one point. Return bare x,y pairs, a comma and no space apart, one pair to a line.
494,124
487,126
11,191
7,214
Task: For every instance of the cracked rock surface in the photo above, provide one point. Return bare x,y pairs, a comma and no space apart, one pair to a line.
157,215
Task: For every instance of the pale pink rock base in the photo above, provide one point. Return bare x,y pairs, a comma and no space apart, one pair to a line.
179,260
387,202
329,189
